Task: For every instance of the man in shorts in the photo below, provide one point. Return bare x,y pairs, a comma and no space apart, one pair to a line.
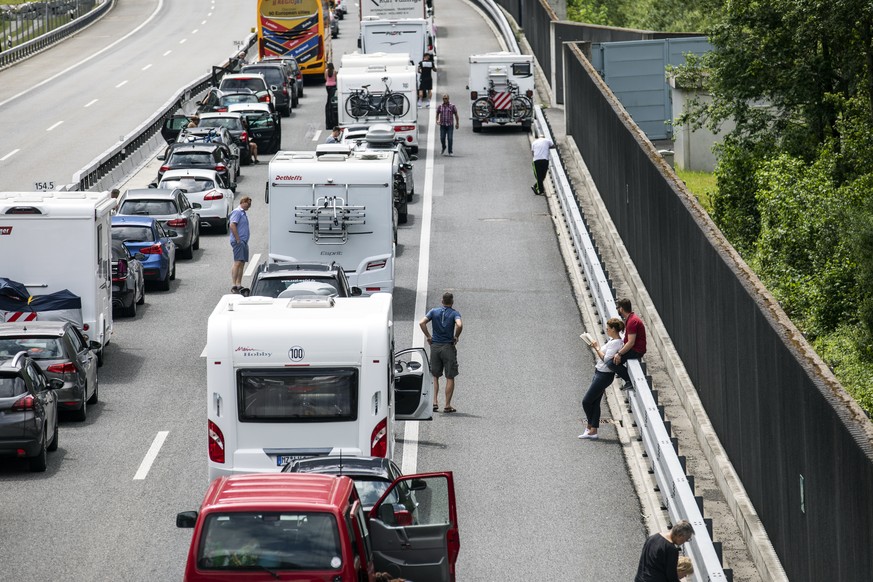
239,241
447,329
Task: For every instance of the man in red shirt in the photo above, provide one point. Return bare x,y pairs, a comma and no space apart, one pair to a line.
634,342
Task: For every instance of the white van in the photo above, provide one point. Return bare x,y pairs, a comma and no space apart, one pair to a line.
51,241
413,36
335,207
307,376
379,73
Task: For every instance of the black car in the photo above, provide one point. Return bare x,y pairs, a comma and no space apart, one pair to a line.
264,127
209,156
277,77
294,72
128,280
28,410
235,125
296,279
372,476
63,353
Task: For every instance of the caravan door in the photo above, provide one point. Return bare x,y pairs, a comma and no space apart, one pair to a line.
414,528
413,387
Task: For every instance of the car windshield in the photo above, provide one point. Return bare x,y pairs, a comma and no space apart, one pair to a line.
285,540
187,184
259,120
239,98
198,158
228,122
38,348
295,286
11,385
272,74
253,83
371,490
132,233
149,207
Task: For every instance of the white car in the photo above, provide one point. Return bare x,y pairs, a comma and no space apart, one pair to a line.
208,189
340,9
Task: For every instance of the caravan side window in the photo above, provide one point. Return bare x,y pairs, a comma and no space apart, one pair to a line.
297,395
521,69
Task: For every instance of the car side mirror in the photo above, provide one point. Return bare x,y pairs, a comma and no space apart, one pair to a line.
172,233
356,292
274,87
418,485
414,158
196,206
55,384
153,185
160,157
186,519
139,256
95,345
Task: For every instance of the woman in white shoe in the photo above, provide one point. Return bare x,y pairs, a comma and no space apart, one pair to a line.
603,376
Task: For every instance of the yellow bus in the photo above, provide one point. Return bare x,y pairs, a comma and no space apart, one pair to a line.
300,28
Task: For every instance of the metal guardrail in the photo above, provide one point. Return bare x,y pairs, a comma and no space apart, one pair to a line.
676,493
104,171
496,14
40,43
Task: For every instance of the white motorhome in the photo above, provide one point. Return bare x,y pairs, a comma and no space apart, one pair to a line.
51,241
413,36
501,89
378,74
393,9
335,207
307,376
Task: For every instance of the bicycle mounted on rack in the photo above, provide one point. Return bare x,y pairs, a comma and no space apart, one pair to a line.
502,106
362,103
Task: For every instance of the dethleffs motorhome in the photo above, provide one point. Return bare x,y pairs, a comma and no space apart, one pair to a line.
51,241
335,207
307,376
413,36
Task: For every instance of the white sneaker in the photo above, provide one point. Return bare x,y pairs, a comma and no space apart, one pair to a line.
588,435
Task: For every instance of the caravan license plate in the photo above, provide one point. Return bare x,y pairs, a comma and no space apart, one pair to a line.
283,460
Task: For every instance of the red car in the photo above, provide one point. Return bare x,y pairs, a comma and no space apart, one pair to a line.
304,526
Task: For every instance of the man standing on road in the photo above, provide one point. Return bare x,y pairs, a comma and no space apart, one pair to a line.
634,346
444,114
447,329
239,241
335,135
540,150
660,554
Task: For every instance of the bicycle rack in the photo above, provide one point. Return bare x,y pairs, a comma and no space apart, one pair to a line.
330,218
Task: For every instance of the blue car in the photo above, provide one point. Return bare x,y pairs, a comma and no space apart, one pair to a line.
142,234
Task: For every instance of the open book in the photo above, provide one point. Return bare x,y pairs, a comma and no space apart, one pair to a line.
587,338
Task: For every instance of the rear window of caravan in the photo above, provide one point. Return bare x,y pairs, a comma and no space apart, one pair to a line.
298,395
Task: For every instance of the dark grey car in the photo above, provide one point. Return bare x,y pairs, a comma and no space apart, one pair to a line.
62,352
296,279
171,209
28,410
277,76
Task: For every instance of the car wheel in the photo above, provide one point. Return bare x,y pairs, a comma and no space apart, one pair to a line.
164,284
286,111
79,415
173,273
196,245
39,463
186,254
222,227
96,396
141,295
130,311
403,214
53,446
100,358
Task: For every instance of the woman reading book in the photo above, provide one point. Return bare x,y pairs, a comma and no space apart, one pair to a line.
603,376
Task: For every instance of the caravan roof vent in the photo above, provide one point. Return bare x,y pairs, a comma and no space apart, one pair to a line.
311,301
24,210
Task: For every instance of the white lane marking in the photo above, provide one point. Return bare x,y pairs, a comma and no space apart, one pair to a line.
210,14
203,22
151,455
157,10
122,84
203,353
195,31
409,464
253,264
317,135
54,126
10,154
183,41
166,53
91,102
147,67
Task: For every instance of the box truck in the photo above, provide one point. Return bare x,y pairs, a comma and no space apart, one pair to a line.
335,207
501,89
52,241
292,378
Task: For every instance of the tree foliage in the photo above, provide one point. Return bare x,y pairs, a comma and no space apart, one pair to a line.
663,15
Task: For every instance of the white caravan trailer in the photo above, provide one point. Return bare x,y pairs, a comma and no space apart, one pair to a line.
378,74
51,241
335,207
388,9
413,36
307,376
501,89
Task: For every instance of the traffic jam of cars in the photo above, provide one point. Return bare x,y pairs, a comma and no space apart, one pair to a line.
333,506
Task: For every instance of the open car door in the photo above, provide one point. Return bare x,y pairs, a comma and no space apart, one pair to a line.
413,387
173,125
414,528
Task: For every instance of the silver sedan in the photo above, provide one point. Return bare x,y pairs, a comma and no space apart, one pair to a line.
171,209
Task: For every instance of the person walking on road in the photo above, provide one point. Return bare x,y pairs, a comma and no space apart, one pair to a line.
444,114
603,376
330,81
447,327
660,556
239,241
540,150
426,69
634,346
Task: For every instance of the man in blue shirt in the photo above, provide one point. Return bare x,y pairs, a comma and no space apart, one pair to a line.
447,329
239,241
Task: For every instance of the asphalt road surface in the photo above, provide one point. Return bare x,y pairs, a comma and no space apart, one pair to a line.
535,503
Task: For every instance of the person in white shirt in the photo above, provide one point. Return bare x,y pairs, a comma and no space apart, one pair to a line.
540,150
603,376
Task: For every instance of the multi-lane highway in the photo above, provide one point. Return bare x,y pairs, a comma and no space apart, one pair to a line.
534,501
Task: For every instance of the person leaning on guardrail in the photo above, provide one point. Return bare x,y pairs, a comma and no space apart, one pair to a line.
634,346
603,376
659,560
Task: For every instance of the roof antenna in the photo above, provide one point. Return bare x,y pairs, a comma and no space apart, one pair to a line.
341,461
